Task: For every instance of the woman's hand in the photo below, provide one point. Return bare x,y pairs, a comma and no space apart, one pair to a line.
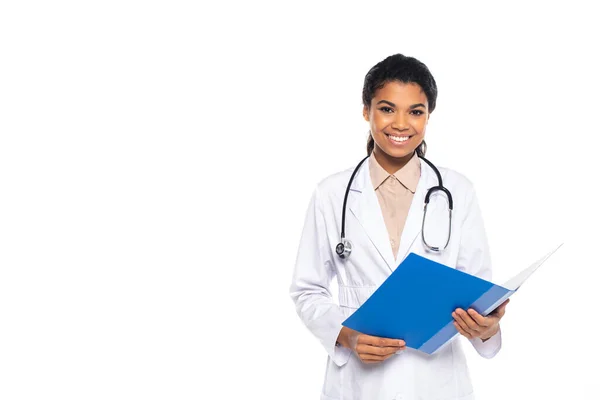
369,349
471,324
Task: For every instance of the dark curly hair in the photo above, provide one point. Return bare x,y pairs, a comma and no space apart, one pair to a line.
404,69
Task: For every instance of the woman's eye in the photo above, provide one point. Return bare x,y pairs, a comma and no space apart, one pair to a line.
386,109
419,112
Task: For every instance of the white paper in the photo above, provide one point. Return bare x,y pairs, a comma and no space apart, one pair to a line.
516,282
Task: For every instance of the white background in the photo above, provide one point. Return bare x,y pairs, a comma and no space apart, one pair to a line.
157,159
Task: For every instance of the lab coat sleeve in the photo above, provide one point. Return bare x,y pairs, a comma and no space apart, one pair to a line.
474,258
310,289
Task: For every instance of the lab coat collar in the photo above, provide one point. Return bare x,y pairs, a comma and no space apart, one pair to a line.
365,207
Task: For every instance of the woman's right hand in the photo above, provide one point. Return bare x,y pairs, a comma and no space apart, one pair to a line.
369,349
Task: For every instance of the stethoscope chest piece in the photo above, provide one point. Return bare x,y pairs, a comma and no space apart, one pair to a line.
344,248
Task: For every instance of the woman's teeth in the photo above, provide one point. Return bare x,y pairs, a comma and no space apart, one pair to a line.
398,138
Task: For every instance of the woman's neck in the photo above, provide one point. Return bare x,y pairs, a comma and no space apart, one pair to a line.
390,164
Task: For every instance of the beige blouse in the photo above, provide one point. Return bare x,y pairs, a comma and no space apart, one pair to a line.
395,193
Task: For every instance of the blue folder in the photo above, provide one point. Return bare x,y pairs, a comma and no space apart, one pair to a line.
415,303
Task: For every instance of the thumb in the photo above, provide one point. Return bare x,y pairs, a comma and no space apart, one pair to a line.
502,308
499,311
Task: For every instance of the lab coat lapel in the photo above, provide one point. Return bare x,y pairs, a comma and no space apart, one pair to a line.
365,207
414,219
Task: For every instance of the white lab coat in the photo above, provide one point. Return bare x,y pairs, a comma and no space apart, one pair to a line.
410,374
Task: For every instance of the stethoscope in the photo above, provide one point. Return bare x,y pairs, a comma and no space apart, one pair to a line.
344,248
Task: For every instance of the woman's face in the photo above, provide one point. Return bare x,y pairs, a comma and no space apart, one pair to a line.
398,116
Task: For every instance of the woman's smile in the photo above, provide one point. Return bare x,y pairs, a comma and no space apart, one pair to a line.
398,140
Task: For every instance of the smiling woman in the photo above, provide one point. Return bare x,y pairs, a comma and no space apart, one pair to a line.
398,118
387,216
398,96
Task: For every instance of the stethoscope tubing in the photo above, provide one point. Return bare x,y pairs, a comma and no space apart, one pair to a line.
344,248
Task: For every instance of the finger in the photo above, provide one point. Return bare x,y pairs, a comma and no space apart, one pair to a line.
368,349
388,356
462,331
391,350
468,321
502,308
370,357
458,321
480,319
379,341
375,350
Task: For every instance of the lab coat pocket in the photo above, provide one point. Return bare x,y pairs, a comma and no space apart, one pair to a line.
348,311
352,297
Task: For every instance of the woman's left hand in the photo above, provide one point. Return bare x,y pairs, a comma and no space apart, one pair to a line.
471,324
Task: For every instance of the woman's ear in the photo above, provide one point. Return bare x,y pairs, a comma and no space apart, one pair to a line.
365,113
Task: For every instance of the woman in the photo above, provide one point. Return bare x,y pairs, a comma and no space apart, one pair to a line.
383,218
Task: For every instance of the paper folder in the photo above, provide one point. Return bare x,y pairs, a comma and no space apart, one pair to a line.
415,303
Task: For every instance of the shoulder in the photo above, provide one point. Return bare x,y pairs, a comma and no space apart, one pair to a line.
453,178
462,188
332,187
332,183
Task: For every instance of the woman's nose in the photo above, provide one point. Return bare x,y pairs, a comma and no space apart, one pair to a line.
400,122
